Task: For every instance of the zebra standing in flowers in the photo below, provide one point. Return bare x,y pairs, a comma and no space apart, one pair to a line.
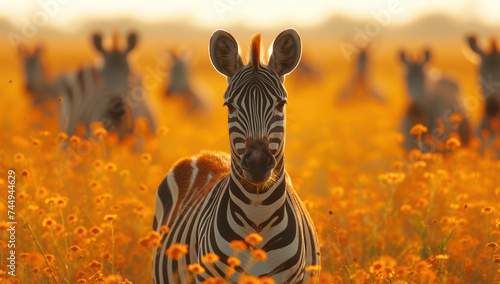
489,71
212,199
111,94
434,100
180,83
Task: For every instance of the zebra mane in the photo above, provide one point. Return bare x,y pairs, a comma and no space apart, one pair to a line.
255,52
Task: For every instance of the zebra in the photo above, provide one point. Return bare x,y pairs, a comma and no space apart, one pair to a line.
110,94
489,72
214,198
180,83
433,100
359,85
37,84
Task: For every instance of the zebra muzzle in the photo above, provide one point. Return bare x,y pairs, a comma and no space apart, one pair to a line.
257,162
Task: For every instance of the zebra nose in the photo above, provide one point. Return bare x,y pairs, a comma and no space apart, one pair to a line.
257,163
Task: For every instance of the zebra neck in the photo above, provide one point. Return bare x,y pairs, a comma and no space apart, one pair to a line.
256,209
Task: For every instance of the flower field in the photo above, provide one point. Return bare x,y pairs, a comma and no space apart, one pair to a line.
84,207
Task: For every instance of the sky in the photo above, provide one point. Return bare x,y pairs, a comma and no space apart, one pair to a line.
68,14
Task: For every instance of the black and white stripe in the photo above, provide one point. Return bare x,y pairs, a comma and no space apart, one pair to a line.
206,200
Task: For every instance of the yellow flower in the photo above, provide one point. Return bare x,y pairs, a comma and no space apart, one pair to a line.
111,167
259,254
196,268
109,217
253,239
442,256
230,270
18,157
95,231
210,258
214,280
176,251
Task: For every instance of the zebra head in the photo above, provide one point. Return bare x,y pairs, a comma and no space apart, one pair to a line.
489,71
415,75
116,68
34,72
256,100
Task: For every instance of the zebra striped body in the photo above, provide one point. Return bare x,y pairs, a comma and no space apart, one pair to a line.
110,94
433,100
212,199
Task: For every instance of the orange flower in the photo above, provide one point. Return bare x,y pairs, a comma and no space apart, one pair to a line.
72,219
18,157
418,129
146,158
161,131
214,280
100,132
233,261
210,258
230,270
238,245
487,210
253,239
96,265
176,251
312,268
452,143
61,202
109,217
95,231
456,117
74,140
62,136
111,167
259,254
164,229
249,279
48,222
196,268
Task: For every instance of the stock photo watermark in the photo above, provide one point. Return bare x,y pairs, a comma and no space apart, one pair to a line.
30,26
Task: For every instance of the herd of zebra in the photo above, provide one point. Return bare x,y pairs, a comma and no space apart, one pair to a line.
111,94
212,199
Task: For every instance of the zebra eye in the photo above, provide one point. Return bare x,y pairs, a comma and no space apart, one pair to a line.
230,107
280,105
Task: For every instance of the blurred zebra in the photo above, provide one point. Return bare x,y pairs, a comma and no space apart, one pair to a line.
180,83
360,85
433,100
36,82
489,72
110,94
212,199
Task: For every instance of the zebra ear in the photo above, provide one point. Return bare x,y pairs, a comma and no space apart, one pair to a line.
131,41
287,50
472,41
224,54
97,39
